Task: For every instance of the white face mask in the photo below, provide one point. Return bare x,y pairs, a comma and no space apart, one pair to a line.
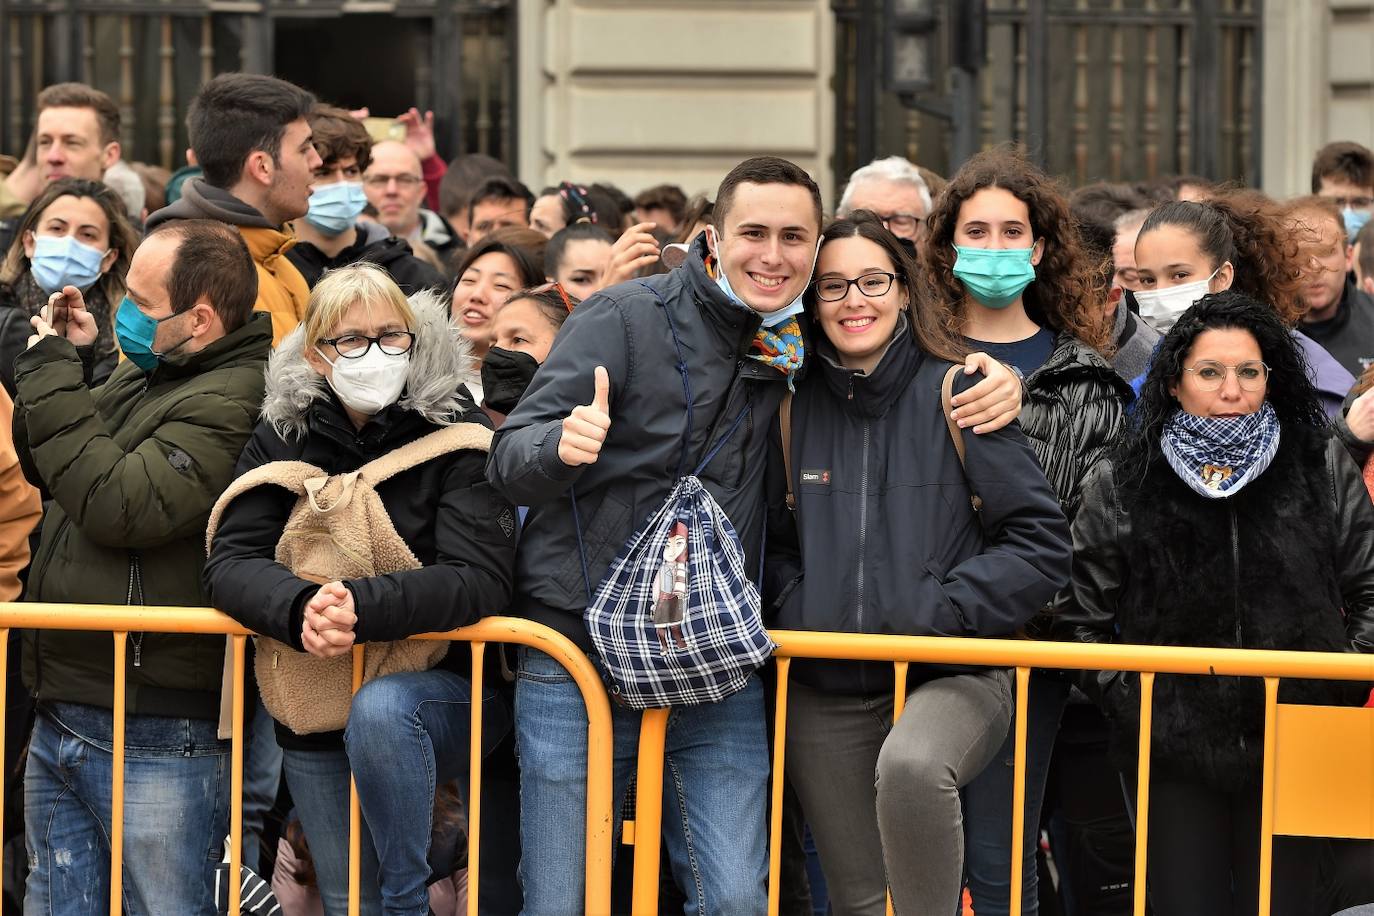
1161,307
372,382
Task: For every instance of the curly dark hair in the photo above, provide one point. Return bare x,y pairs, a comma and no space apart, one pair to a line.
1290,390
1066,294
929,332
1252,232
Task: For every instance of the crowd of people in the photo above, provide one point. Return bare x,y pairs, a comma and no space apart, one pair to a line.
349,392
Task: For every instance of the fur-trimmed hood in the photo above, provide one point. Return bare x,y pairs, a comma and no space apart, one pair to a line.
440,362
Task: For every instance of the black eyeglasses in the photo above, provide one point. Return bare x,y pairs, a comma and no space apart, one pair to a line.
872,285
355,346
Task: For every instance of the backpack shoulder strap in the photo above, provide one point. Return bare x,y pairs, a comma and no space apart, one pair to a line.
785,422
955,433
290,475
453,438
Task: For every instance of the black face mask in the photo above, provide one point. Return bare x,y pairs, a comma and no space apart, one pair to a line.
910,247
505,376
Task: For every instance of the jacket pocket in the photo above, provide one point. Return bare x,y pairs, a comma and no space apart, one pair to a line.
605,533
945,617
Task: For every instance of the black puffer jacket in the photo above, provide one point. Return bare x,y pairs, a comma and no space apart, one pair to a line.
1074,412
375,245
889,542
624,328
1271,567
458,527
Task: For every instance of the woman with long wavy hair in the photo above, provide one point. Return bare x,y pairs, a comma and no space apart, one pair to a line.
1004,269
1192,534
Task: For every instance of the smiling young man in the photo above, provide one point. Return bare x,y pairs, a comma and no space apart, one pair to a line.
607,415
251,137
619,449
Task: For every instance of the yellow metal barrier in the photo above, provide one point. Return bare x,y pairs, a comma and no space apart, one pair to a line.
1022,655
121,621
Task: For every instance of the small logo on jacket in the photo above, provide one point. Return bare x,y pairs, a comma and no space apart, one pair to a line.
507,522
817,477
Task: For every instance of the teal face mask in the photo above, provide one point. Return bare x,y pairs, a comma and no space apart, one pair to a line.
135,332
994,276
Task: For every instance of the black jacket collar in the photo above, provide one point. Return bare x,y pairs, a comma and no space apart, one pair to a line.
871,394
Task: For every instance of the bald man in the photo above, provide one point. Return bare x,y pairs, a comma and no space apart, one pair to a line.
395,186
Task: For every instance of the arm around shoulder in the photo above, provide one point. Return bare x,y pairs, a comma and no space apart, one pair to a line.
1025,559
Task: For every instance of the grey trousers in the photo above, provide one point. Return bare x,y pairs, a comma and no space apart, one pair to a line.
883,802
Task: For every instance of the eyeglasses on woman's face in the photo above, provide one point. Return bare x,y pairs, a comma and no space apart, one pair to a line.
872,285
355,346
1210,375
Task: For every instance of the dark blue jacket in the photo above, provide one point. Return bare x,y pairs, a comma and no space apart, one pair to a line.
625,329
884,538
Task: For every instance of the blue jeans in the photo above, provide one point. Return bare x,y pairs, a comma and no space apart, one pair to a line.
714,793
261,780
176,813
406,734
987,805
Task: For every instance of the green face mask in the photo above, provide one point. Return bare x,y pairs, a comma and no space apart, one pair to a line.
994,276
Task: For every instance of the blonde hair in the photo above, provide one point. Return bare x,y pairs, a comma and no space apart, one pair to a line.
346,287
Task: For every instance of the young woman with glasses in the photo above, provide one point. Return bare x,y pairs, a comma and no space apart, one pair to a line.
1007,271
366,373
1227,518
885,538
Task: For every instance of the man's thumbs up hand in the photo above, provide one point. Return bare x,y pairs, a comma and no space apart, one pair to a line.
584,430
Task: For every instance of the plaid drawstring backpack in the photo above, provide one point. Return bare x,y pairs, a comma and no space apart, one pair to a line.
677,619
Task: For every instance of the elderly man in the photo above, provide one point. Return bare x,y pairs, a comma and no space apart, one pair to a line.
894,190
395,186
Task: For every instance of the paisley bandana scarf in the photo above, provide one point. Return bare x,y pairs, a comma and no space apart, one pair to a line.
1218,456
780,346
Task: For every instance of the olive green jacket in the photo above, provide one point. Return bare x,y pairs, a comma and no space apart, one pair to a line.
132,469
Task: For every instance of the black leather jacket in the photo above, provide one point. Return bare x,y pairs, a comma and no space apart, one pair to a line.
1286,563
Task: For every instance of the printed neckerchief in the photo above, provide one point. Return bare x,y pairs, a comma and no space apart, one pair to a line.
780,347
1218,456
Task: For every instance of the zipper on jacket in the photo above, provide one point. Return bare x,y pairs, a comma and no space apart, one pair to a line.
135,587
863,530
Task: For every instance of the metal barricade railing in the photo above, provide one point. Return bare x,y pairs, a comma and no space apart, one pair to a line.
120,621
1023,655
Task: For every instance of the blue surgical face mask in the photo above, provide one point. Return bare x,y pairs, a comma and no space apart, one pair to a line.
60,260
334,207
770,319
1354,222
995,277
135,332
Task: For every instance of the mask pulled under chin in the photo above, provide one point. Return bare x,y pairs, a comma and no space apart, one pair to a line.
770,319
371,383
